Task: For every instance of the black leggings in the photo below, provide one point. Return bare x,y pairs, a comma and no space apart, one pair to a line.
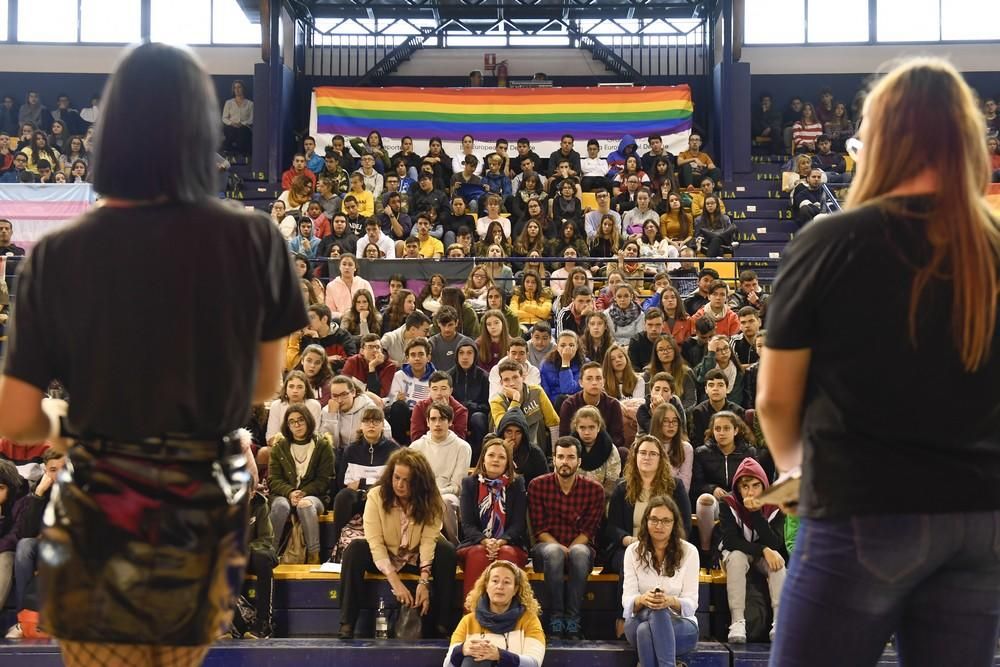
262,565
346,505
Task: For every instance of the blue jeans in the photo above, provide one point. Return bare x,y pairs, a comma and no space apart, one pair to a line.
547,557
659,637
932,579
25,563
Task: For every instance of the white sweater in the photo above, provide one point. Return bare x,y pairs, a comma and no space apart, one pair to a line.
449,460
638,578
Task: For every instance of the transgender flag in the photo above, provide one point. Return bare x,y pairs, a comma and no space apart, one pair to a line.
37,209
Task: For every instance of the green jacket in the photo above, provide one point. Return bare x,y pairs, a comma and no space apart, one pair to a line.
261,531
316,482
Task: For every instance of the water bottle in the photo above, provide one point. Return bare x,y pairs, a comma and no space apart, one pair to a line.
381,621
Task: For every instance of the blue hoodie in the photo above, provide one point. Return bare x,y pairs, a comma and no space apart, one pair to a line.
616,161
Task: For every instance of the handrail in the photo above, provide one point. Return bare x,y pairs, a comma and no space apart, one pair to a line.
829,201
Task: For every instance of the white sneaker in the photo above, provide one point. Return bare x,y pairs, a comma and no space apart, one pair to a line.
738,632
771,633
14,632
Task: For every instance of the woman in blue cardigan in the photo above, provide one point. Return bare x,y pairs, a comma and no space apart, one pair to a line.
561,369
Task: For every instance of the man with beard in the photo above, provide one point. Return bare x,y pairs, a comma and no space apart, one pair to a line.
565,511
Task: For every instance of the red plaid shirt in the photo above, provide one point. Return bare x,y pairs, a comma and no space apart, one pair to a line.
565,516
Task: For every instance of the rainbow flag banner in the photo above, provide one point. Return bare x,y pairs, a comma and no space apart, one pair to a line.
542,115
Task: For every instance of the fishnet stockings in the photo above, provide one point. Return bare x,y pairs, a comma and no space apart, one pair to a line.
88,654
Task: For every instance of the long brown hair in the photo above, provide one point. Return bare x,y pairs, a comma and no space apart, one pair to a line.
629,378
923,113
426,505
678,369
675,448
485,341
647,552
663,480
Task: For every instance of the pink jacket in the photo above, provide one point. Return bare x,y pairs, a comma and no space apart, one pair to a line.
339,296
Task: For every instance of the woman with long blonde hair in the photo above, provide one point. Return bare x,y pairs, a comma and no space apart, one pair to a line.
878,562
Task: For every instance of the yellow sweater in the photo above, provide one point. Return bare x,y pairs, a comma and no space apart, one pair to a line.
526,640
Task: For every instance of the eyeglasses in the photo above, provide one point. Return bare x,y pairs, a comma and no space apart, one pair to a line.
297,421
671,422
853,147
340,395
653,521
648,454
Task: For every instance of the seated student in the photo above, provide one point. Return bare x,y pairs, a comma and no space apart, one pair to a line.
566,510
660,587
502,609
341,290
528,460
727,323
363,197
305,242
592,394
752,372
752,534
358,466
494,179
371,366
341,418
600,459
533,402
404,504
295,389
728,441
416,325
531,302
807,197
635,219
694,348
565,206
716,390
806,130
595,168
327,334
494,339
518,353
832,164
398,305
706,189
714,232
641,344
494,510
694,164
627,318
646,476
409,387
561,369
300,468
449,457
720,357
374,236
694,301
262,556
620,381
298,168
572,317
596,337
539,344
445,343
362,317
660,389
430,247
749,293
470,387
316,366
440,383
743,343
24,512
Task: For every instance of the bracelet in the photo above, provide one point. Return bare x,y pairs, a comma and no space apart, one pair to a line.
424,582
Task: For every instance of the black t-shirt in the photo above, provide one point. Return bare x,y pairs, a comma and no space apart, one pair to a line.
887,426
152,316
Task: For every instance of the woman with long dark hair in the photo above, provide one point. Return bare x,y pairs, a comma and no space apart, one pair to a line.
660,584
103,539
875,555
405,504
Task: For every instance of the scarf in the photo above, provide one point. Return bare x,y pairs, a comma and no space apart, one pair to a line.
711,313
623,318
493,505
598,454
301,456
502,623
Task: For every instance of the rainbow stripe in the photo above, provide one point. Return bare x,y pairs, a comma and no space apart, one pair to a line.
538,114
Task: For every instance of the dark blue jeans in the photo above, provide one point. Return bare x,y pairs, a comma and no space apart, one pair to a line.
932,579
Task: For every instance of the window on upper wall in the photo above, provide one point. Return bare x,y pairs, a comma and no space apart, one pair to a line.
970,19
47,21
3,21
841,21
230,24
774,22
110,21
908,20
181,21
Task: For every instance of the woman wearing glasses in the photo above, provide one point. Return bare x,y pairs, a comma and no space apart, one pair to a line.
647,475
881,555
301,466
660,586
